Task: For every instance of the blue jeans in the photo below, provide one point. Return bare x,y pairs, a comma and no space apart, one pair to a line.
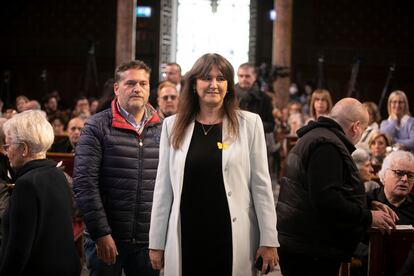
132,258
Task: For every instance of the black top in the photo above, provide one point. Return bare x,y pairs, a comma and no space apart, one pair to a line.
405,211
38,235
258,102
63,145
205,218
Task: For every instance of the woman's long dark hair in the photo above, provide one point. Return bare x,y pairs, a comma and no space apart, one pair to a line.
189,106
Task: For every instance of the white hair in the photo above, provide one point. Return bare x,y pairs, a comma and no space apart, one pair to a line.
392,158
32,128
360,156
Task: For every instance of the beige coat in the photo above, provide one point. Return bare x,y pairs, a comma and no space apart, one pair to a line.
248,188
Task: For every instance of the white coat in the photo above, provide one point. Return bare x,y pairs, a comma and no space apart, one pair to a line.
248,188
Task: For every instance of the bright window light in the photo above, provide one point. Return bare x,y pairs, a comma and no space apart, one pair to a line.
201,31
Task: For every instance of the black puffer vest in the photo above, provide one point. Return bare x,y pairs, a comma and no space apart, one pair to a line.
300,227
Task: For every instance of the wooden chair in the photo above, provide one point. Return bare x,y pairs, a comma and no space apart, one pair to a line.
387,253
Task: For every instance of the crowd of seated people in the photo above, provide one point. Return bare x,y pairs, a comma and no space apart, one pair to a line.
396,132
381,140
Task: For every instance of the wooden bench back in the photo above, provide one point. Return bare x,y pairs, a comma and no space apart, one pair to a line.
66,158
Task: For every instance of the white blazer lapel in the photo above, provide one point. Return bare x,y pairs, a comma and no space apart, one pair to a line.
227,143
182,153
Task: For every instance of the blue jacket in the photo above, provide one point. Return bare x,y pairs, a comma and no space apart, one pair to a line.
114,175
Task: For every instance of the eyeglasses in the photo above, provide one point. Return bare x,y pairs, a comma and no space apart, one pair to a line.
172,97
399,174
7,146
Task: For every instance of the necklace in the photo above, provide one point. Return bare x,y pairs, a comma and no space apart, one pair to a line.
206,131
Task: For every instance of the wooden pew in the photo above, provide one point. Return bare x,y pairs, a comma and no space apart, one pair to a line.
66,159
60,138
387,253
289,141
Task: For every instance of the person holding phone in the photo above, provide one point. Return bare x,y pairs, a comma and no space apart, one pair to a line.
213,207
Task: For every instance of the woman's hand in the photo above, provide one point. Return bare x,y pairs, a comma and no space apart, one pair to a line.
157,258
270,257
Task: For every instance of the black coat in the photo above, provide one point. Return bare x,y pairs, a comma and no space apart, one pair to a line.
37,225
321,210
258,102
63,145
114,175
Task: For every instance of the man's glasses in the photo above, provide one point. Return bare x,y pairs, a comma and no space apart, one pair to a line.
166,97
399,174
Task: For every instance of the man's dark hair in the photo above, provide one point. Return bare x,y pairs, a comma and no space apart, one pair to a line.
80,97
133,64
176,64
248,65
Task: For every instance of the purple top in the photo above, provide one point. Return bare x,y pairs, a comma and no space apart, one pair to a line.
404,134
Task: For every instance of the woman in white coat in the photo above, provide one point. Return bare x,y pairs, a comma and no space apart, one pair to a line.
213,210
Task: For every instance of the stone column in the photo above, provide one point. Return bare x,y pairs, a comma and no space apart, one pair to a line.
282,48
125,31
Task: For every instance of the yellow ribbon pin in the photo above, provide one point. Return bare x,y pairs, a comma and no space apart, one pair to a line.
222,146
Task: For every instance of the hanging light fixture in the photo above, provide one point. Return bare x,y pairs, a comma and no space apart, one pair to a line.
214,5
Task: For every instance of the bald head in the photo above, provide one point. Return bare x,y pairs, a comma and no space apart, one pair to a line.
352,116
74,129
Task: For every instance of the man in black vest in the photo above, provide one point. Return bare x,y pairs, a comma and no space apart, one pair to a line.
322,210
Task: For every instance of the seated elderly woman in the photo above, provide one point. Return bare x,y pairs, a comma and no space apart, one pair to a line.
37,224
397,176
362,160
379,144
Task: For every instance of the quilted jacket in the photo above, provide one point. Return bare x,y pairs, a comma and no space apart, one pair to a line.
114,175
